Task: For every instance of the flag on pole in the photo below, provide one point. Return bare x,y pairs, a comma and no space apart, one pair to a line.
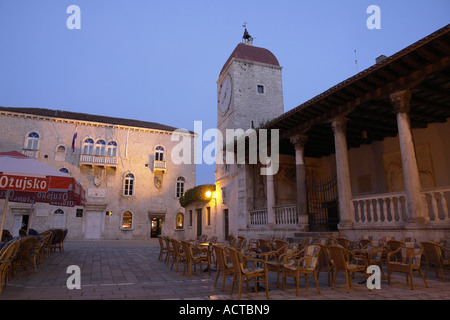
74,138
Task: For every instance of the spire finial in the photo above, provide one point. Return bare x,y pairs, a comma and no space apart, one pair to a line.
247,38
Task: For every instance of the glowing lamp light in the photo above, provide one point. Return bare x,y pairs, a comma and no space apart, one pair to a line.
208,194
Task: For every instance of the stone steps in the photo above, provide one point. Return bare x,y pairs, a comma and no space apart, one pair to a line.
298,236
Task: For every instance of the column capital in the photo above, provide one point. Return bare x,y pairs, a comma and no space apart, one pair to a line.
401,100
339,124
299,141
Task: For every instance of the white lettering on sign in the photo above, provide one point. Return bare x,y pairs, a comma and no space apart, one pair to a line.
24,183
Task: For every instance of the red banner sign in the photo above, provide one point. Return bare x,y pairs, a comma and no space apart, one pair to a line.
24,183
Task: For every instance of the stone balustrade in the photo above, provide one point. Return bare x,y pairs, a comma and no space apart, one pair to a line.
389,209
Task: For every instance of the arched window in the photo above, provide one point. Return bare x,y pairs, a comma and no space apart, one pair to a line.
127,220
88,146
100,148
128,185
32,141
159,153
180,221
65,170
59,219
60,154
180,187
111,149
61,149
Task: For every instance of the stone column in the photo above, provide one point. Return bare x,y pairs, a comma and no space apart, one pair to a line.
299,142
339,126
401,102
270,197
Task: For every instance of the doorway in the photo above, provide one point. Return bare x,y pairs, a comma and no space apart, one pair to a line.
93,225
323,204
156,227
20,223
199,222
226,223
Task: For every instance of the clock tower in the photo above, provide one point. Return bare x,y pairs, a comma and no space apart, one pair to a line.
249,88
249,94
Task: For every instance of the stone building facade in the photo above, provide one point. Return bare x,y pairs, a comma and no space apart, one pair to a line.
367,157
131,183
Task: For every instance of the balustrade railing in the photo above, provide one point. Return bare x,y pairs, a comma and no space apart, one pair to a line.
389,209
34,154
98,160
376,210
286,215
435,203
380,209
258,217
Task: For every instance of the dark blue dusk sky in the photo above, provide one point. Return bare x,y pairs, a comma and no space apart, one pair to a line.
159,60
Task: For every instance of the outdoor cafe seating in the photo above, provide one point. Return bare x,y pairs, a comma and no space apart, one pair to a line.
19,253
251,261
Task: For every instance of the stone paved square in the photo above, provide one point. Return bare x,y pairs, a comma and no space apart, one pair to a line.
130,270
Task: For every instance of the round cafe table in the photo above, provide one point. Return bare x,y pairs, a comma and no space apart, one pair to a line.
208,246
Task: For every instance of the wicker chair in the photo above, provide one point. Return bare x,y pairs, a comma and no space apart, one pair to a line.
348,244
348,262
243,273
193,258
21,259
375,252
391,246
365,241
280,244
7,254
6,236
163,247
170,252
224,267
47,248
35,256
436,254
324,260
275,260
243,245
410,256
306,265
61,243
264,245
57,240
178,253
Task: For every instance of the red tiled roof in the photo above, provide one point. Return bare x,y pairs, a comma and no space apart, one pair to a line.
251,53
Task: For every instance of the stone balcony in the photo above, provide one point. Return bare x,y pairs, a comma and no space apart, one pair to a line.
99,161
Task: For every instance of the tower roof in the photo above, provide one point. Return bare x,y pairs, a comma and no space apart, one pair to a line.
251,53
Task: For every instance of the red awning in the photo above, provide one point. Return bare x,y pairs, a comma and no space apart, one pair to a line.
31,181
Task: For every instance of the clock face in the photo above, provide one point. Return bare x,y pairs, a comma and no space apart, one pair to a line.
225,95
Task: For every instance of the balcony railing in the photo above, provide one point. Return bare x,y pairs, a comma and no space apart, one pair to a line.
159,165
258,217
94,160
32,153
284,216
389,209
380,209
435,204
